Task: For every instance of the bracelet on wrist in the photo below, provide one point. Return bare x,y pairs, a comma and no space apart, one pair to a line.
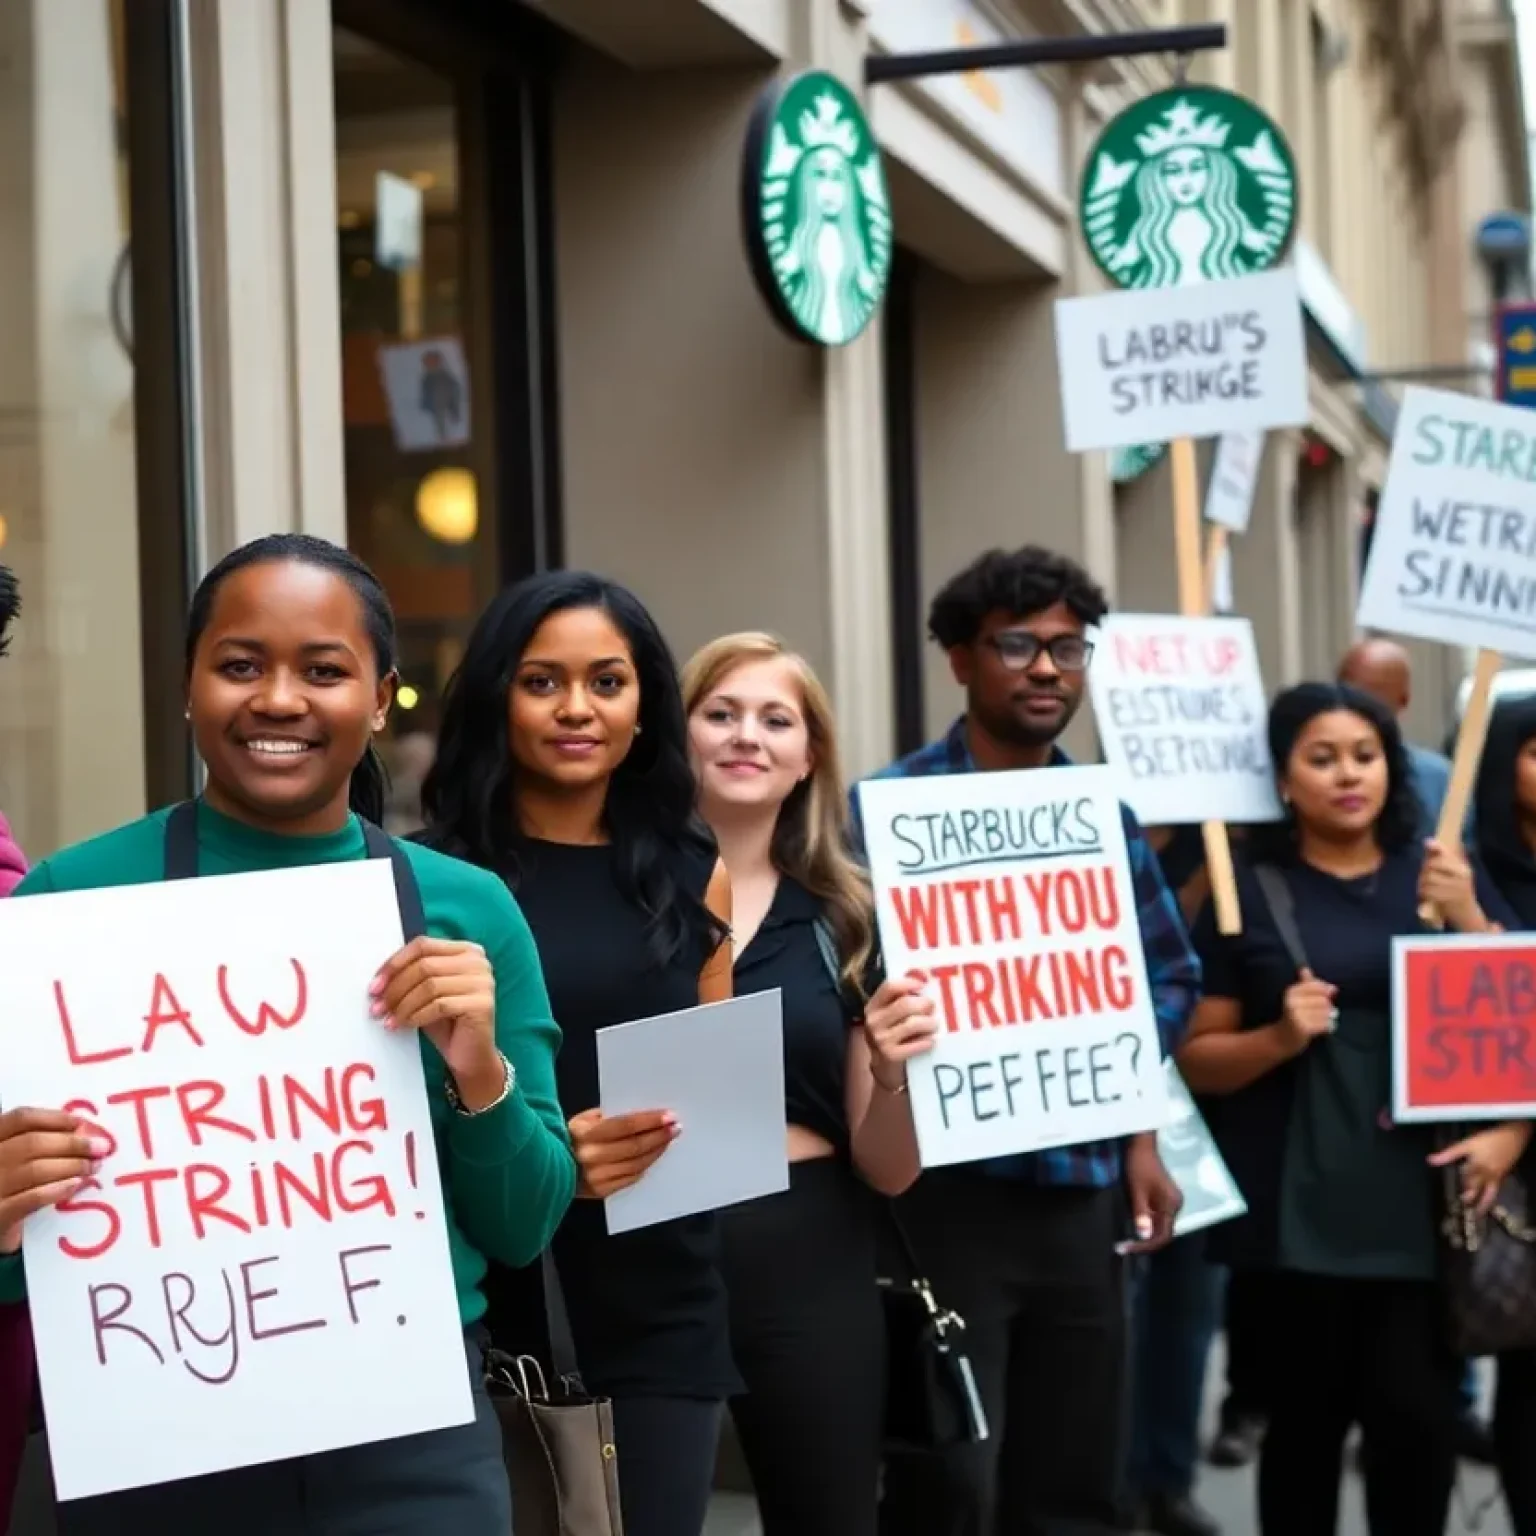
456,1103
884,1087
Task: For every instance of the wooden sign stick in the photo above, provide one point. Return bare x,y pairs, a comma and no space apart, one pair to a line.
1469,753
1193,604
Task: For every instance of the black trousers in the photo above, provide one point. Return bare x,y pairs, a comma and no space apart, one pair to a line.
1042,1291
1248,1347
416,1485
809,1341
1514,1438
667,1451
1367,1352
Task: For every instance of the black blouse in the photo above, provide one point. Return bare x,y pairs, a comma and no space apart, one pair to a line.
818,1014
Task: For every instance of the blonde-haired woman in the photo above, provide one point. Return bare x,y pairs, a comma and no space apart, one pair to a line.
800,1267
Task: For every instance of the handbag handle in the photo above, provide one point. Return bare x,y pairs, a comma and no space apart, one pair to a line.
1281,901
826,943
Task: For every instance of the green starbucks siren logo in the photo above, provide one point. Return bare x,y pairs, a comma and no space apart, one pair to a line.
816,214
1187,186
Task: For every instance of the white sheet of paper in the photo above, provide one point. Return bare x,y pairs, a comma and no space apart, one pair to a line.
1234,479
720,1069
1143,366
286,1287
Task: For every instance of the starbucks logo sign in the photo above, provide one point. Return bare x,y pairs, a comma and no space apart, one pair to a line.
1189,185
816,213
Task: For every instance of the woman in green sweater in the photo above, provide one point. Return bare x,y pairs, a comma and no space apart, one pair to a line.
290,672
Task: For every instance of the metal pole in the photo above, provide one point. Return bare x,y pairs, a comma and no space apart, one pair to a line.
1043,50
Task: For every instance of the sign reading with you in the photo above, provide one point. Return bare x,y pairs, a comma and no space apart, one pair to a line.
1181,712
1009,896
1464,1027
260,1267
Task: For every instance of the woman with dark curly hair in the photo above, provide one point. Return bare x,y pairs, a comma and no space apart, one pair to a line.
563,766
1294,1032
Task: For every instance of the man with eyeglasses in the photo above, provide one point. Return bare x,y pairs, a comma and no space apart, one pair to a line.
1027,1248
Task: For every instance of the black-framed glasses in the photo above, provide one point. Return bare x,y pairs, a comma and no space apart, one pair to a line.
1019,650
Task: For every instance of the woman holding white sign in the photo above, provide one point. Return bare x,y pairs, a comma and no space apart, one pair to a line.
801,1267
563,765
1295,1032
290,672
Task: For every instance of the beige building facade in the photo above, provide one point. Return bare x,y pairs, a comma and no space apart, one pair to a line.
209,330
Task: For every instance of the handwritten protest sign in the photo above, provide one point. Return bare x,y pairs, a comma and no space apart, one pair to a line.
1214,357
1195,1164
1464,1027
1234,478
1009,895
1181,714
260,1269
1453,556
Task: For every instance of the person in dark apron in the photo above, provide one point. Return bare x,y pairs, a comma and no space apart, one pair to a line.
290,673
1294,1032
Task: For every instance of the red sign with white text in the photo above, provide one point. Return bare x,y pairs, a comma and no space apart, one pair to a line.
1464,1027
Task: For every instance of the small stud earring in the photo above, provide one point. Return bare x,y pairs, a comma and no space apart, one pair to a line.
637,730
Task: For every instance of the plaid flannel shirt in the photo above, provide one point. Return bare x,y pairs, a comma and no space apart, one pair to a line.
1173,969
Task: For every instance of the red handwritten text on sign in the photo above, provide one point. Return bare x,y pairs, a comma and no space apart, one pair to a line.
1470,1021
192,1153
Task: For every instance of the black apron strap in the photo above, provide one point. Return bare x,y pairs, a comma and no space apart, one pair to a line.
181,862
181,842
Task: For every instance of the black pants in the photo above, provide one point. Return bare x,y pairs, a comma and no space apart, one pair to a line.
1367,1352
1514,1438
667,1451
809,1341
1248,1347
1036,1278
416,1485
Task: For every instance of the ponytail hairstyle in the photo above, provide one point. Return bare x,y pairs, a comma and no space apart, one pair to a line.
370,782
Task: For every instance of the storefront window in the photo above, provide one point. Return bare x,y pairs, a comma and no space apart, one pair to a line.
71,689
416,505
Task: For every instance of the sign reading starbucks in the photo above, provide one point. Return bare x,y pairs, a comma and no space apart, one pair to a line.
1188,186
816,213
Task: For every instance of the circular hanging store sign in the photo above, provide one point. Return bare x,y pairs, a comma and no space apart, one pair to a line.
815,211
1190,185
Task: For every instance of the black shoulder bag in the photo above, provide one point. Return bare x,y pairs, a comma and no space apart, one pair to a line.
1487,1263
931,1397
557,1441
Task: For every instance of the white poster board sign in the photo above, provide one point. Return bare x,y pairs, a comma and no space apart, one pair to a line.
1234,478
260,1270
1453,557
1194,1163
720,1069
1181,714
1140,367
1010,895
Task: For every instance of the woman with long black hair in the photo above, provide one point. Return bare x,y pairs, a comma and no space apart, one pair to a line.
290,672
563,766
1294,1034
1505,840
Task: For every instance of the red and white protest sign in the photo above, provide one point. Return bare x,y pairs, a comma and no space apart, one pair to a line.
260,1268
1010,895
1181,713
1464,1027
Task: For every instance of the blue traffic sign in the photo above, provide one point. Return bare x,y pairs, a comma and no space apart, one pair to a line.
1514,335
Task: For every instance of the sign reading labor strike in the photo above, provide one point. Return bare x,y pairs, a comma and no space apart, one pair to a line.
1009,896
1181,714
1464,1027
259,1269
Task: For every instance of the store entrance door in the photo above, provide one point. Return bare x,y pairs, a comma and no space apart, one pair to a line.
446,313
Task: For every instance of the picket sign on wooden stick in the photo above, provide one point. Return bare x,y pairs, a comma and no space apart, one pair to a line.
1469,752
1193,604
